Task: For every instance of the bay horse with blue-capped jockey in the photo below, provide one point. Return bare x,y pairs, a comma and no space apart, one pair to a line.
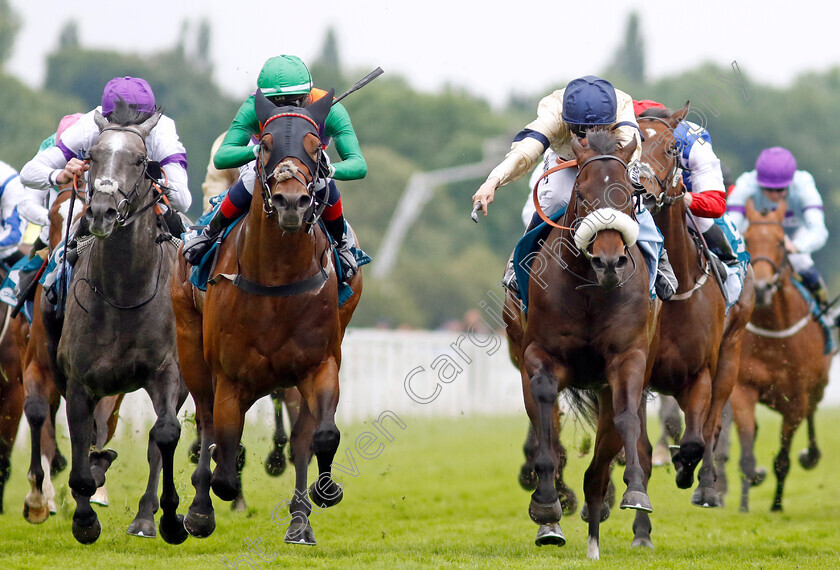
270,319
590,330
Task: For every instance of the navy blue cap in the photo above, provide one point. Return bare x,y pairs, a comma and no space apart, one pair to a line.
589,100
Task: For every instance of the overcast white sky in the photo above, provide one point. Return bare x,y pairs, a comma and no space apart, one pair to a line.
493,47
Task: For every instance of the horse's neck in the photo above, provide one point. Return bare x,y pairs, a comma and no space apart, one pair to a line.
682,251
129,253
268,254
786,308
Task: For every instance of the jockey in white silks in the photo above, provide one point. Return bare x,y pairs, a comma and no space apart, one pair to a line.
585,103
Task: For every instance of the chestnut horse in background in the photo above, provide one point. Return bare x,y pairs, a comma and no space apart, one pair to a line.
43,396
700,344
269,319
589,330
11,395
783,364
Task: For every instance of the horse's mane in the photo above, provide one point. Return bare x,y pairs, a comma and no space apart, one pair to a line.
658,112
602,141
125,114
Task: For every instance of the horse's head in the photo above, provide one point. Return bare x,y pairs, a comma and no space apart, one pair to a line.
118,164
765,240
602,204
289,158
660,157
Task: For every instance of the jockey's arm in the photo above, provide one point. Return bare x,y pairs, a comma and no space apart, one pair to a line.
164,146
32,207
707,198
235,150
338,126
627,132
12,224
811,217
41,172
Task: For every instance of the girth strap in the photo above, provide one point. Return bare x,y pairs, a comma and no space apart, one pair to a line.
289,290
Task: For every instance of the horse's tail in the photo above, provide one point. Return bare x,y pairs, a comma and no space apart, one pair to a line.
585,403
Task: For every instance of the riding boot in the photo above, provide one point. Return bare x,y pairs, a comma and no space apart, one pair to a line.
509,280
346,258
717,242
816,286
666,281
174,222
195,250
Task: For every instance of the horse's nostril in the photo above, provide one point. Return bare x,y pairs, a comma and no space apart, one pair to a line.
280,201
622,261
597,263
111,214
303,202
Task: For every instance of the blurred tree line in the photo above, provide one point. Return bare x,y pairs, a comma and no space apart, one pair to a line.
447,263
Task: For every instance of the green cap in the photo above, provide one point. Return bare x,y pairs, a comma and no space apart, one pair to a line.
284,75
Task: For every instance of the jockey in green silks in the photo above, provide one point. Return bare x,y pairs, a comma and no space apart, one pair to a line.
284,80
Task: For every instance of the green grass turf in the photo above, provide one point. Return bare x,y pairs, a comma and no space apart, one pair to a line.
444,493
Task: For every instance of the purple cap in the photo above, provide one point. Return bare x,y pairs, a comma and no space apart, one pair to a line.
134,90
775,167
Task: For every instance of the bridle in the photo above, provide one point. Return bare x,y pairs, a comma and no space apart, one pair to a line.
288,170
671,180
778,268
124,215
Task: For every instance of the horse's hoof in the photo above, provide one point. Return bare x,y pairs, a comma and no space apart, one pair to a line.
550,534
544,514
759,477
35,515
706,497
87,534
325,492
605,512
238,505
300,533
100,461
100,497
643,542
776,508
637,500
200,525
224,490
275,463
173,533
660,456
808,460
527,478
58,464
143,528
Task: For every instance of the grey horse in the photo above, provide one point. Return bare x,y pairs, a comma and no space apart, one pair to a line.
117,334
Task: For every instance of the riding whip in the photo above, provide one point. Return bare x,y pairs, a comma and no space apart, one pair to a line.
360,83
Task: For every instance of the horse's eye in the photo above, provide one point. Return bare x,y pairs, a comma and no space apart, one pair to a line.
139,161
672,150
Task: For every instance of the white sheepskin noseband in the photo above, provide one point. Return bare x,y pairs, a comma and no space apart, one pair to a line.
606,219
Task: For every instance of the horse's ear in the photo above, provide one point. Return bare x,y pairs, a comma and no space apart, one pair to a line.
263,107
681,114
146,126
750,211
779,212
579,150
100,120
321,108
625,152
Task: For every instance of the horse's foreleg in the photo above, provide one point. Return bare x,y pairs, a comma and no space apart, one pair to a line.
743,401
11,408
808,458
625,374
722,445
167,392
706,494
228,423
695,402
300,531
275,463
104,424
200,520
596,479
36,406
322,398
781,465
671,423
86,527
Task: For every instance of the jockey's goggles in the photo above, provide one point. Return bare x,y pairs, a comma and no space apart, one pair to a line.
288,100
774,190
